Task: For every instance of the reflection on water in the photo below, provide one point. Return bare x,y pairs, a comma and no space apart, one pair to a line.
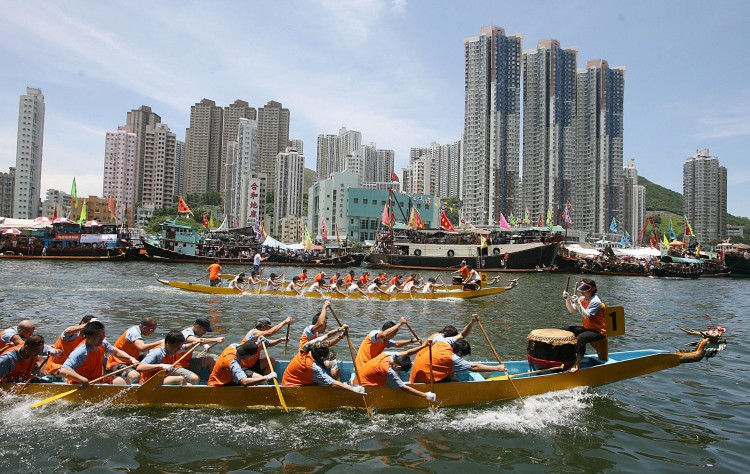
688,417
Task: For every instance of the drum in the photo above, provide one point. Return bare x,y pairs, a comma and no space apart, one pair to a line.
457,280
550,347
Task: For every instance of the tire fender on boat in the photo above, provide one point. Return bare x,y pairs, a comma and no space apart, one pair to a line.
496,251
451,253
417,252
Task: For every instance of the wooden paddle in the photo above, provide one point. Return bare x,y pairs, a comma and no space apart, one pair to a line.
286,343
354,365
432,377
412,331
275,382
500,360
23,387
92,382
505,377
201,278
157,379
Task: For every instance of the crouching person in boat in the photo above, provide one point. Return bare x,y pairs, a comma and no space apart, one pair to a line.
593,323
86,362
70,338
234,367
384,370
164,358
308,368
447,359
17,363
201,366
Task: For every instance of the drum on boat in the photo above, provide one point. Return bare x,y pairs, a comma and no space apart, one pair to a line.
457,280
550,347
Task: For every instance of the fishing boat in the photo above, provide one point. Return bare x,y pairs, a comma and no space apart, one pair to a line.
737,260
678,267
179,243
219,290
497,250
472,388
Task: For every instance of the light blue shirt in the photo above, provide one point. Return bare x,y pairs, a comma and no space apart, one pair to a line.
8,361
81,353
320,376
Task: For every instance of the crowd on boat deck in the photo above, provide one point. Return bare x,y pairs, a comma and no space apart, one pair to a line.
82,355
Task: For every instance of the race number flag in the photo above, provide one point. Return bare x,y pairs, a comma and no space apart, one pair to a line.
182,207
445,223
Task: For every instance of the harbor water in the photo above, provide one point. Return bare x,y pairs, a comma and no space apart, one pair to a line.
690,418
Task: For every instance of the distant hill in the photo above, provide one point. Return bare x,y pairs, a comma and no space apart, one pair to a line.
659,198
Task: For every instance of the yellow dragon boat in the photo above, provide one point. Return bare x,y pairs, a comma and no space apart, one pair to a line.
438,294
472,389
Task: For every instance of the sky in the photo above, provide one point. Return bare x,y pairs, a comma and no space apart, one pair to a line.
391,69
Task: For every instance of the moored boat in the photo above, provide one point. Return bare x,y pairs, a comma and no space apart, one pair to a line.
472,388
737,260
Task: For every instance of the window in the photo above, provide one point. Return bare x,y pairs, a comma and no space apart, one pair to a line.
364,201
356,200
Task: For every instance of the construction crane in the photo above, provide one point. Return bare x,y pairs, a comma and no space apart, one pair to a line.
653,236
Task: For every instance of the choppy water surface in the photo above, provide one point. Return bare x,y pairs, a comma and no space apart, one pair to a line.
679,420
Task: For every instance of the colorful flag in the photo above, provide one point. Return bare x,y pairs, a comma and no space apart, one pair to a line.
386,216
484,242
672,235
182,207
613,225
308,240
549,219
82,219
526,217
74,191
418,223
54,214
666,242
688,229
503,223
567,218
211,221
698,251
394,176
540,221
258,231
512,219
338,239
323,229
111,204
205,220
625,240
445,223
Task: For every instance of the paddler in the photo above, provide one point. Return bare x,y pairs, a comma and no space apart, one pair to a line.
319,283
295,285
17,363
447,359
303,276
473,281
395,284
462,273
131,342
214,273
15,335
378,341
70,338
232,368
313,333
307,367
86,361
238,283
431,286
274,282
263,331
593,323
384,370
198,365
163,358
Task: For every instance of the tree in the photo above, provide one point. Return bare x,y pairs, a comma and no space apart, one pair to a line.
452,207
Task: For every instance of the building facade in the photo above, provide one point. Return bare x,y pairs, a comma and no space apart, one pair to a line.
56,200
237,110
635,203
549,127
7,181
704,189
273,137
492,119
290,176
203,148
179,167
29,150
120,152
158,186
139,120
598,183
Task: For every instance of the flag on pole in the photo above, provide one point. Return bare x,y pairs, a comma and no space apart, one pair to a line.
540,221
418,223
445,223
394,176
54,214
672,235
182,207
566,216
666,242
512,219
688,229
205,220
504,223
386,216
323,229
613,225
698,251
484,242
82,219
526,217
258,231
111,204
211,221
338,239
308,240
74,191
549,219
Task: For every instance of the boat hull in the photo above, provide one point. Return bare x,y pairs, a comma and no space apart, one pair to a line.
623,365
738,264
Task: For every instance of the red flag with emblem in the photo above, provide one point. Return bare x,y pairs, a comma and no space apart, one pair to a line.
394,177
445,223
205,220
182,207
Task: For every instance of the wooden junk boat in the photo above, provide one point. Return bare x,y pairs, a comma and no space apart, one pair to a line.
219,290
472,388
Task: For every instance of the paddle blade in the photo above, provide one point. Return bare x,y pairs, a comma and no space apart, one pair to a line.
53,398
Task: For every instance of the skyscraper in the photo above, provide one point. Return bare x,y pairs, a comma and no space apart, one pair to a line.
635,203
120,151
28,180
158,167
598,183
7,181
239,109
704,189
549,126
203,148
273,137
138,120
179,167
492,122
290,177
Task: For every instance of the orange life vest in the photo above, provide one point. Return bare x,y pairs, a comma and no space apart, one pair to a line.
222,374
442,363
375,372
126,346
302,276
348,279
4,345
92,367
318,277
464,271
304,340
22,370
299,371
363,280
596,322
54,363
394,281
367,351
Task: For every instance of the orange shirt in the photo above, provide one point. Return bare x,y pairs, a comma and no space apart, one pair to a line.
299,371
367,351
213,271
318,277
394,281
54,363
123,344
348,279
442,363
92,367
464,271
375,371
363,280
596,322
222,374
22,370
303,276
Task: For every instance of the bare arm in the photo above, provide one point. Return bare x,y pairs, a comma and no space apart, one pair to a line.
390,332
320,324
467,328
69,331
141,346
71,374
413,391
488,368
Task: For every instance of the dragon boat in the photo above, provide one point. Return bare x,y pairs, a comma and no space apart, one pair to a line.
472,388
438,294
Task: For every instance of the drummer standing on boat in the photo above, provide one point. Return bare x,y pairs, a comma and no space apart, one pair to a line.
591,309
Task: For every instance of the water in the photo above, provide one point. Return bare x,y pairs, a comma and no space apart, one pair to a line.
689,418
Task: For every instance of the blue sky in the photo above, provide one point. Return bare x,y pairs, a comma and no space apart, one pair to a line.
393,70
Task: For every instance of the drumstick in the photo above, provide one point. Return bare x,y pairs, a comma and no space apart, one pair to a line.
567,284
